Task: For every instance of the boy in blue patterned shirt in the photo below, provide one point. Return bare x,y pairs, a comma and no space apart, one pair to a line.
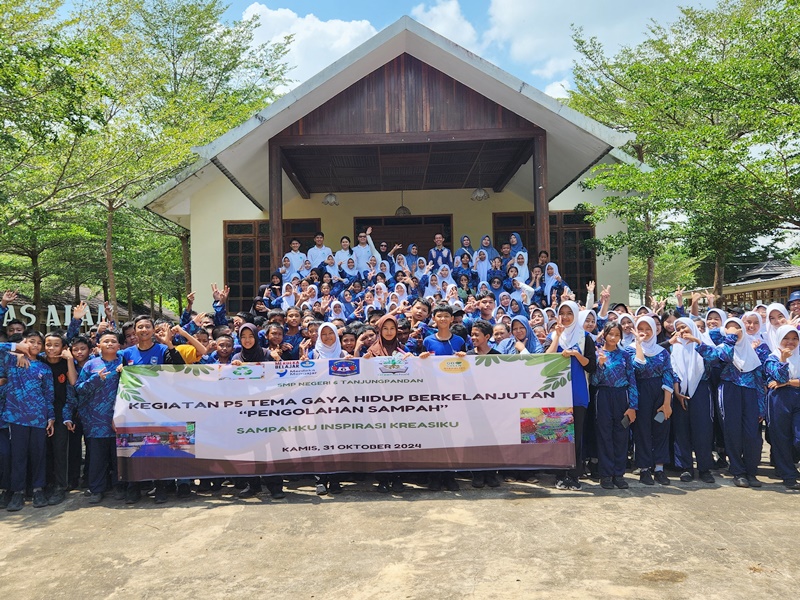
30,414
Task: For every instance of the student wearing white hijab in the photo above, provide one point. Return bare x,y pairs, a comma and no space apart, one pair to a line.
288,298
693,411
574,343
552,281
655,382
445,276
482,264
628,330
741,401
328,345
782,370
777,315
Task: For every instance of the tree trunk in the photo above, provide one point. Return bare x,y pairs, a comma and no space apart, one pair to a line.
651,268
130,298
180,302
36,273
152,303
105,290
112,286
187,267
161,305
719,276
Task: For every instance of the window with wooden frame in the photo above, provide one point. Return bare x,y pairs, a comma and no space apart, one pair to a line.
410,229
568,235
248,255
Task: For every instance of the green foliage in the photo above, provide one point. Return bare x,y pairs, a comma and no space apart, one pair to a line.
675,266
713,101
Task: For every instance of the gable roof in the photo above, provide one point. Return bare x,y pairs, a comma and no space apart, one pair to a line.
575,142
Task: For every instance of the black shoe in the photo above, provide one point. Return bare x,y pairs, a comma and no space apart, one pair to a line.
248,492
170,487
741,481
721,463
383,487
57,497
39,499
791,484
96,498
17,502
687,476
322,489
646,477
119,493
184,490
133,495
204,486
398,487
753,481
450,484
607,483
5,499
662,479
620,482
160,495
594,471
277,493
478,479
435,482
335,487
706,477
492,480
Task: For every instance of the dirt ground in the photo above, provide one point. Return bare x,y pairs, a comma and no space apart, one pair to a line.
521,540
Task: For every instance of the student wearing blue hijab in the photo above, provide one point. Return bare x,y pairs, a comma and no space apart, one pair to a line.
515,240
466,247
486,244
522,339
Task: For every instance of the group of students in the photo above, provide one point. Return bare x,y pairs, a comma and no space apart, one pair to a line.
667,387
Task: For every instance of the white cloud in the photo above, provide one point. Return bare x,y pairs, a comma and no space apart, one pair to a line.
316,43
536,33
558,89
445,17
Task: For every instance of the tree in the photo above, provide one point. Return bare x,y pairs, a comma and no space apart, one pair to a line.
707,98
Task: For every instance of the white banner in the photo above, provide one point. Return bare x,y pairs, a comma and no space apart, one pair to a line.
349,415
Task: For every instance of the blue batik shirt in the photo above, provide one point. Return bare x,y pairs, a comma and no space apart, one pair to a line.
29,392
618,372
654,366
96,397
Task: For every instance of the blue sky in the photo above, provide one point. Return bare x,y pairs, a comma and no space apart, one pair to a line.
528,38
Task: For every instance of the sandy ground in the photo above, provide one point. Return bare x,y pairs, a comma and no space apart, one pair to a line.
517,541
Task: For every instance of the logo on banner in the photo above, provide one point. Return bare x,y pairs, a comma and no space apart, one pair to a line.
343,368
294,368
454,365
392,365
248,371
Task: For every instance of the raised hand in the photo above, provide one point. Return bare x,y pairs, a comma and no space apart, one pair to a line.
215,292
605,293
189,301
8,297
369,230
223,294
679,295
590,287
66,354
80,311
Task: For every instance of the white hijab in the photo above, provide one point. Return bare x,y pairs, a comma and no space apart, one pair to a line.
772,331
482,266
574,335
287,301
550,281
445,279
321,351
745,358
650,346
627,338
686,361
401,296
794,359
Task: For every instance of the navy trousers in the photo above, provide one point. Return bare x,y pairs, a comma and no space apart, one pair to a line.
783,416
651,438
28,447
612,438
104,463
693,429
739,409
5,460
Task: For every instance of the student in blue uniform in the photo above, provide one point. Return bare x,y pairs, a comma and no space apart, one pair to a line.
574,343
30,415
655,382
616,397
742,402
693,413
782,370
150,351
94,403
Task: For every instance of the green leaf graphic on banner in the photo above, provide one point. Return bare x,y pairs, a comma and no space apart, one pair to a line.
556,367
488,360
